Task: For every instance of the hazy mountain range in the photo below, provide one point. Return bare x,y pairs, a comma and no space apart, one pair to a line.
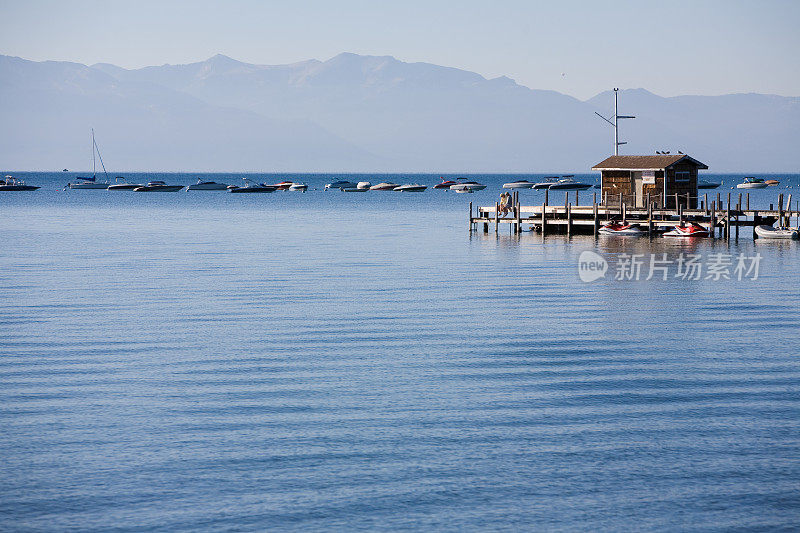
361,113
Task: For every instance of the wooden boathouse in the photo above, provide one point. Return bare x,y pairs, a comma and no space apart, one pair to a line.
664,179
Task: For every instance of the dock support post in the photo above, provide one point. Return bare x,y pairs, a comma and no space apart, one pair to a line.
519,214
576,197
546,196
712,224
780,210
544,215
470,217
649,217
595,213
748,201
680,214
789,210
756,222
569,219
624,212
594,198
728,219
496,217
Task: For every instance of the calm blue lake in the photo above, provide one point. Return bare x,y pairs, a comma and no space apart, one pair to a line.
205,361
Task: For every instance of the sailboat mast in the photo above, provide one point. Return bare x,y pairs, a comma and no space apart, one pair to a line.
94,167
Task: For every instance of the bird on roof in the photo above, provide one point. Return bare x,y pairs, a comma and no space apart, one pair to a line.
681,152
658,152
666,152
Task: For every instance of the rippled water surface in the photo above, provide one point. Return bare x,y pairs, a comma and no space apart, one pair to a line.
207,362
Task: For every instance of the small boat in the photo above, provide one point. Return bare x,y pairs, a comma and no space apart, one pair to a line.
752,183
92,183
772,182
88,183
283,186
384,186
519,184
411,187
567,183
546,183
356,189
770,232
251,187
703,184
341,184
445,184
298,187
158,186
688,229
12,184
474,185
207,186
121,185
617,228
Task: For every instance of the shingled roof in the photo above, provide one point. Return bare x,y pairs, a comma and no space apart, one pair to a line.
644,162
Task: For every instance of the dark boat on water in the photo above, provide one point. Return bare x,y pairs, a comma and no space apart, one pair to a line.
13,184
252,187
158,186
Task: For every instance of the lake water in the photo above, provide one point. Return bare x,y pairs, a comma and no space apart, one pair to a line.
205,361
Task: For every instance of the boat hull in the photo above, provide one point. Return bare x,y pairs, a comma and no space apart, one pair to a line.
18,187
124,186
88,185
473,186
770,232
411,188
252,190
158,188
569,187
518,185
752,186
207,187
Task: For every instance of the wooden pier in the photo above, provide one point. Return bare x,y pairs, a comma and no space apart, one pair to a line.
722,216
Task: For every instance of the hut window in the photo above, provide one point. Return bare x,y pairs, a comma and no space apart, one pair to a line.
682,175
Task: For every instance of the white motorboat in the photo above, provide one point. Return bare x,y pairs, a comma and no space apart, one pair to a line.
92,183
474,185
546,183
384,186
519,184
752,183
158,186
616,228
298,187
703,184
363,185
568,183
207,186
341,184
12,184
771,232
121,185
411,187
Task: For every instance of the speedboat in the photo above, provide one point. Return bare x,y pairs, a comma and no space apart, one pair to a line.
519,184
207,186
752,183
283,186
341,184
158,186
411,187
88,183
252,187
771,232
703,184
12,184
617,228
474,185
355,189
384,186
546,183
567,183
445,184
121,185
688,229
298,187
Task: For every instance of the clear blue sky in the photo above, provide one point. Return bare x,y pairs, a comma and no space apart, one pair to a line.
575,47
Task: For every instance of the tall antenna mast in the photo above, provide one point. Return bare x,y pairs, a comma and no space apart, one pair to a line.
615,123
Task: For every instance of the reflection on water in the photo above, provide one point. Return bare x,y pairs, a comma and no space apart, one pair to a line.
321,360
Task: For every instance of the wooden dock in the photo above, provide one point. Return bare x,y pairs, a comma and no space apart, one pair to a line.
722,217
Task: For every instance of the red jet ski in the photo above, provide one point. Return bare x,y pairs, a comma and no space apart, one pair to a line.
618,228
688,229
